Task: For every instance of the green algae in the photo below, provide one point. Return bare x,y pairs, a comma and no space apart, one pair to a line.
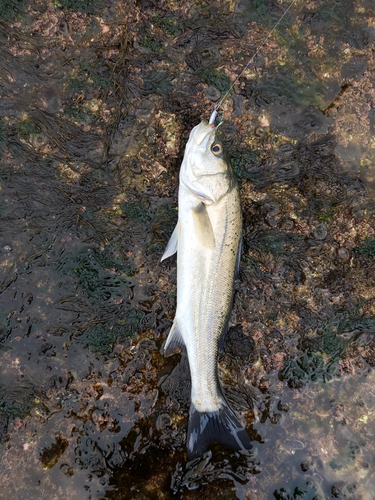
367,248
323,349
157,82
151,42
25,128
136,212
11,9
85,6
3,138
240,159
170,25
216,78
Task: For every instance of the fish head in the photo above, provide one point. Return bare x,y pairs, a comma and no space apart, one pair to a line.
204,169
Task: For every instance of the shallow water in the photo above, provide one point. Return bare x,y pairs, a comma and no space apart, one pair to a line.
97,100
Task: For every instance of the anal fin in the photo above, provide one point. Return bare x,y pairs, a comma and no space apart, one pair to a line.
174,341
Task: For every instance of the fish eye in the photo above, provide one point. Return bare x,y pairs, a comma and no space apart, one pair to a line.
217,149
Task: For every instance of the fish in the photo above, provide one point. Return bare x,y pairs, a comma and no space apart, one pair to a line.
207,239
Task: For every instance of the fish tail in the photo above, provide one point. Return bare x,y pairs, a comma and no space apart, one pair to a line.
220,426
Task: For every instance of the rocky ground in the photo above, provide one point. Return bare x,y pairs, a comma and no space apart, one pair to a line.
97,101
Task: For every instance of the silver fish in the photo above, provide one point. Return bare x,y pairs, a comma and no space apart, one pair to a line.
207,239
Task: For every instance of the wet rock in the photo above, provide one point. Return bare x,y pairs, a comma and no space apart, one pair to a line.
343,254
271,221
261,131
8,248
286,149
370,401
353,68
212,93
237,344
237,105
7,106
177,385
310,120
320,232
294,444
145,110
287,171
4,420
288,225
163,421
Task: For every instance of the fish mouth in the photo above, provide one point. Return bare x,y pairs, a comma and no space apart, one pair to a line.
202,133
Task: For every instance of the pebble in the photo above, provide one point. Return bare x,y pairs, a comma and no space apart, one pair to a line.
8,248
335,491
260,131
320,232
212,93
343,254
305,467
271,221
288,224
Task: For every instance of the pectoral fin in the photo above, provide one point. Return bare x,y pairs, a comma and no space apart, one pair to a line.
203,226
172,244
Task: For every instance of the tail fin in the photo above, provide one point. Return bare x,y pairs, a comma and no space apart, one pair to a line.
221,426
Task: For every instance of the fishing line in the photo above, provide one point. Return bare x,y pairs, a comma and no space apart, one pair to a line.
222,116
247,65
213,116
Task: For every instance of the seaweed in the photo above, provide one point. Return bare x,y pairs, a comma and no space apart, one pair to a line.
5,326
94,281
11,9
165,219
285,86
367,248
99,339
75,112
25,128
170,25
51,455
90,76
102,337
3,138
276,242
326,214
157,82
241,160
218,79
261,11
150,42
309,366
18,399
85,6
325,348
136,212
112,258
